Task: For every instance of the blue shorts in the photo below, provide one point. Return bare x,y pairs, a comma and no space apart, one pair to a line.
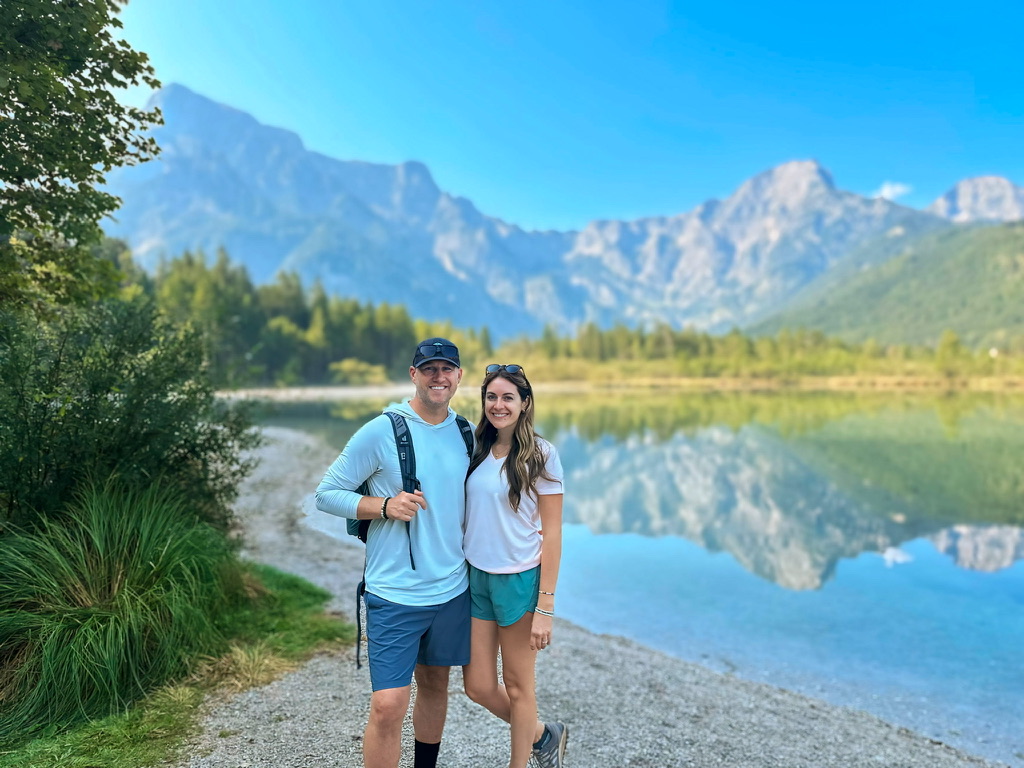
401,636
503,597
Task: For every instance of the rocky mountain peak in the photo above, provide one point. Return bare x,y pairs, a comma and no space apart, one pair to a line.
791,183
191,120
983,198
224,179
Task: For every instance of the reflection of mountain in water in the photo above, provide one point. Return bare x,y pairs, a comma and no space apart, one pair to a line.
743,492
982,548
790,509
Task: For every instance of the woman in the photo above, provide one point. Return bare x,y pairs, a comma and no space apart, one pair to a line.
513,544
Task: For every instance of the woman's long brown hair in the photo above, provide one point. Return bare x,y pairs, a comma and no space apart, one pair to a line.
524,465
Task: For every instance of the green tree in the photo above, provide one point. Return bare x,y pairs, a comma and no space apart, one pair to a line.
222,302
61,130
660,343
282,346
486,345
949,355
317,337
285,297
550,344
589,343
112,391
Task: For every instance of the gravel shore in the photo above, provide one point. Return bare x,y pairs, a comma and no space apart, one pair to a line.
625,705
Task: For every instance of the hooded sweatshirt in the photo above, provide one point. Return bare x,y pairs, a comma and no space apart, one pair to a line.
441,466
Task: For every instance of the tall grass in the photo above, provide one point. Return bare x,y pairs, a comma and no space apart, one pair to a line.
102,606
282,626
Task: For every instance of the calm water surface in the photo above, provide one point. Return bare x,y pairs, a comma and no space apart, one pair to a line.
863,550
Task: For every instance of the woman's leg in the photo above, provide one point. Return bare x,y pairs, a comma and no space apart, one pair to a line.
480,676
517,670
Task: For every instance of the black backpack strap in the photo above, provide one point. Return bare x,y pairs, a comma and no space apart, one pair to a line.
466,430
406,454
407,464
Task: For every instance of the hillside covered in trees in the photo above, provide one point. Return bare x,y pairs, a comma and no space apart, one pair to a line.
284,333
970,280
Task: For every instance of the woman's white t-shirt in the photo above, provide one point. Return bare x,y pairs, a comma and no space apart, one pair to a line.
499,540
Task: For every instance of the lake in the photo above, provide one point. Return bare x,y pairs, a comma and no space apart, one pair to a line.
862,549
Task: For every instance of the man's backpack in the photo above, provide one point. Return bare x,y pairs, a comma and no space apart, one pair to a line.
407,462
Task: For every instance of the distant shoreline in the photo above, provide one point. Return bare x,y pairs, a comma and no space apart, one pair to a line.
896,384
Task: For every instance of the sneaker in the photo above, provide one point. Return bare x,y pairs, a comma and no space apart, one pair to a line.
552,754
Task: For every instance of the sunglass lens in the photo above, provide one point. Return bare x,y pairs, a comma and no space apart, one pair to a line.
495,367
427,350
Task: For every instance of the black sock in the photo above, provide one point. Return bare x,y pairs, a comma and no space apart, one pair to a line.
539,743
425,755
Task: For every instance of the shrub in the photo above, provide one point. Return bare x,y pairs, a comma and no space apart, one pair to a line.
355,372
112,391
97,609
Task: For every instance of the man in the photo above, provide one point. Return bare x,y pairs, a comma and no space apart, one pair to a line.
417,587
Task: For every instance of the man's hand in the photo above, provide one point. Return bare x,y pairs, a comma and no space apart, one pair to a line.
404,506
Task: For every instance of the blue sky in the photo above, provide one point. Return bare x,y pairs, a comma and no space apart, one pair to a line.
552,114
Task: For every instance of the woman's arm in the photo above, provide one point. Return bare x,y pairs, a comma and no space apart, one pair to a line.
550,508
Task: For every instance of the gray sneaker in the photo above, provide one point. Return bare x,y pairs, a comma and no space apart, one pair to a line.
552,754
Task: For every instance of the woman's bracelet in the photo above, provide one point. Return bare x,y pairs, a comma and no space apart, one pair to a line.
542,612
384,509
542,592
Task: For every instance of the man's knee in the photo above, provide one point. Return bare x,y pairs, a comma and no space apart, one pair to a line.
388,707
432,679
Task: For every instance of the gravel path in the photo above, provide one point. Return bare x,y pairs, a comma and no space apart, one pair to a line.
625,704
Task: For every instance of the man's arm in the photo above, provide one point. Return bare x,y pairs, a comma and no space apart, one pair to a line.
361,459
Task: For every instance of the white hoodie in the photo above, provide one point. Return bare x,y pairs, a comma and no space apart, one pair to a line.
436,532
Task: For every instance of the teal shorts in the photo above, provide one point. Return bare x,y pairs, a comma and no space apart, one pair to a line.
503,597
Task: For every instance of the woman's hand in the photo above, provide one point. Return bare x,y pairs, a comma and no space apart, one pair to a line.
540,634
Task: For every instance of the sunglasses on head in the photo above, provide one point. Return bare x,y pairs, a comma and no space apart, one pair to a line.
495,367
435,349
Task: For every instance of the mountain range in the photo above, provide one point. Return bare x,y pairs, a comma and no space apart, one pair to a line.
387,233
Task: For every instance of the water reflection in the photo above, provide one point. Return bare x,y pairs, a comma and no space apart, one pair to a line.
787,485
743,492
981,548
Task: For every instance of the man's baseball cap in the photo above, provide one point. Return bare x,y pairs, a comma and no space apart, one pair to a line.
436,349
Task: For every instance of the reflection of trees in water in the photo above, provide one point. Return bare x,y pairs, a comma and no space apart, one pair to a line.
808,481
663,414
915,463
626,412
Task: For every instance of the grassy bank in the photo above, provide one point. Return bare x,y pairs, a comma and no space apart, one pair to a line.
283,625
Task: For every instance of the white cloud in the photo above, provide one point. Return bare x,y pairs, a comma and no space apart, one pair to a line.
890,190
